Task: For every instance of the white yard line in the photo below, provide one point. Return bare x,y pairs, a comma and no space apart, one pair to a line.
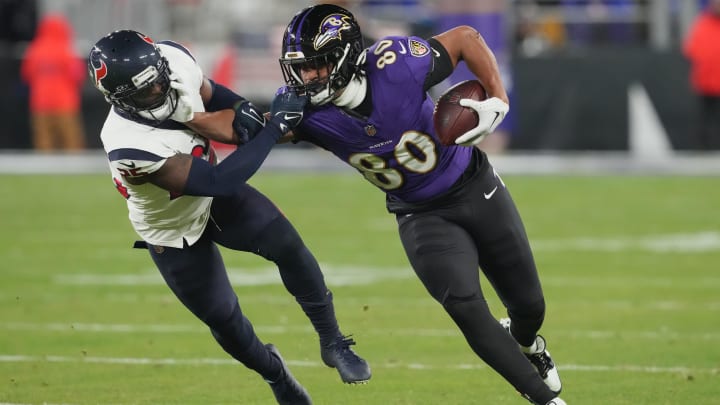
691,242
618,163
339,275
6,358
77,327
15,403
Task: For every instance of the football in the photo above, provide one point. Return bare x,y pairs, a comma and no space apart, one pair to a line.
450,118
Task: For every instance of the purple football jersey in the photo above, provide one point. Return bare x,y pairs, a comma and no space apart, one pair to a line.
395,148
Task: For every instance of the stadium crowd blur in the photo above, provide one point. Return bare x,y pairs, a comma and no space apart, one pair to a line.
240,46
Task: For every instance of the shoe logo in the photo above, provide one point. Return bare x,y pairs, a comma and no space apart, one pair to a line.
131,165
490,194
254,116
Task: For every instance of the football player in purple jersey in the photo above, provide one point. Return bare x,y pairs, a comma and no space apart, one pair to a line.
183,205
371,108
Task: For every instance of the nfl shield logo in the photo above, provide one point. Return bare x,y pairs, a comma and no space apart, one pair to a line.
370,130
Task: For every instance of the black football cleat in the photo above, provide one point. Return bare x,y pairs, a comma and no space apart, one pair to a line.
287,389
338,354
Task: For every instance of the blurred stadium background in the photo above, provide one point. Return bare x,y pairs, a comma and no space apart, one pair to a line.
584,75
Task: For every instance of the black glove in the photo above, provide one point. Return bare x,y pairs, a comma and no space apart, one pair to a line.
248,121
286,110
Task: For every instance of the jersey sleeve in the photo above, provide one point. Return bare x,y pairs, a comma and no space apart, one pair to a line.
183,64
135,162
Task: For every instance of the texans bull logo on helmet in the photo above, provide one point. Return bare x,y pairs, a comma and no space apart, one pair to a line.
331,28
98,69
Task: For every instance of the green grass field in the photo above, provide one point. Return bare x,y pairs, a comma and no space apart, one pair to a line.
630,266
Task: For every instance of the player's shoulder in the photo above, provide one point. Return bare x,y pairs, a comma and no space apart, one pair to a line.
132,148
400,57
122,133
402,46
180,59
172,49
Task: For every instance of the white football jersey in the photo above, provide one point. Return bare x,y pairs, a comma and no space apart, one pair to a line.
135,149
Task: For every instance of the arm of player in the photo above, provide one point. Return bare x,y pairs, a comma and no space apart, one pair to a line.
229,118
233,126
466,44
194,176
216,126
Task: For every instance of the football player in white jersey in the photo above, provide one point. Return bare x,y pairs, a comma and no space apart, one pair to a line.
182,204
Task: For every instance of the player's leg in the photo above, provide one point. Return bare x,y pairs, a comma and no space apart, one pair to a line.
444,257
197,276
507,261
251,222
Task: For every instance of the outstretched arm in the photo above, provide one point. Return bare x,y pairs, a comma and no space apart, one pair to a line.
194,176
190,175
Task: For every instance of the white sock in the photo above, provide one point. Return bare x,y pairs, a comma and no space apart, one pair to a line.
532,349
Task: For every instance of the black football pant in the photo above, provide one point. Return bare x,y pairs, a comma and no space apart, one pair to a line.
249,222
445,246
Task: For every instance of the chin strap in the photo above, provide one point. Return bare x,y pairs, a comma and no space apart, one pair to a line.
353,94
162,113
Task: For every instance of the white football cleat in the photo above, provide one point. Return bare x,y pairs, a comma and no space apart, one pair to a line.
541,360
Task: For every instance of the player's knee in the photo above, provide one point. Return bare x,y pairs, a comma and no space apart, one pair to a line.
530,312
233,332
460,307
469,312
219,316
280,240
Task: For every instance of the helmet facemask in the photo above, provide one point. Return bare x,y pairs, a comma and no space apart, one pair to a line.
334,70
151,96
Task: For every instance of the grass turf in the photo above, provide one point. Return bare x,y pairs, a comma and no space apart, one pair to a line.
629,265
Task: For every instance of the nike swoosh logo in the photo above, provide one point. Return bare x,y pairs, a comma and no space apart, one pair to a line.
131,166
289,117
490,194
497,114
404,51
254,116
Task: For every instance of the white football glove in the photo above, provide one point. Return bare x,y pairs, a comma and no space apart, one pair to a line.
491,112
184,110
